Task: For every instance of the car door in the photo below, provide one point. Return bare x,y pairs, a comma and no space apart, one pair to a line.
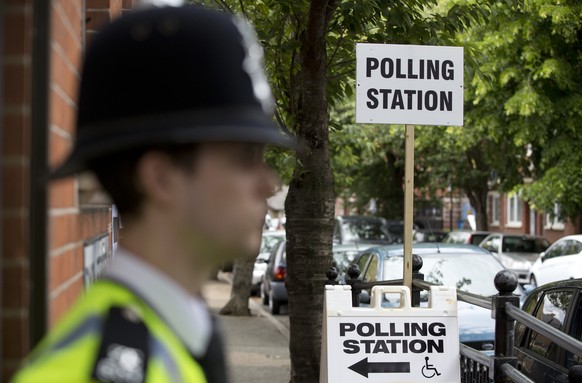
538,357
562,264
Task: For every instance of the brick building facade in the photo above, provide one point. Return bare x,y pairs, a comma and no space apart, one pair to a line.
48,234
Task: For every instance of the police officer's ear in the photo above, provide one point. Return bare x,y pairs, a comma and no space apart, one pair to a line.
157,178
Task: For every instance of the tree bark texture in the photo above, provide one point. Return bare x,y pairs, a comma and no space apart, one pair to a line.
238,304
310,203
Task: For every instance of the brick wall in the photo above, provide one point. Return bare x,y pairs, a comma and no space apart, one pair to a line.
65,247
71,224
16,120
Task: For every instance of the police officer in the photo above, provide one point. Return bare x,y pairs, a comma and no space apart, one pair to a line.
174,112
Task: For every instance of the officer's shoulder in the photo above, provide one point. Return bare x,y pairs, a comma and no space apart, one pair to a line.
123,352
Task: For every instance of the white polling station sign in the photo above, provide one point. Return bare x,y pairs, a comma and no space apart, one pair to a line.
379,345
409,84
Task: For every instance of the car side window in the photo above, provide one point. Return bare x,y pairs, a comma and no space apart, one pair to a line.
576,332
362,262
371,273
492,244
529,308
553,311
557,250
572,247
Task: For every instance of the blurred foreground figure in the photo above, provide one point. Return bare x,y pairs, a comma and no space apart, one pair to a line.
174,113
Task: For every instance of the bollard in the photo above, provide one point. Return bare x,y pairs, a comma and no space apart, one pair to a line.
353,273
416,275
505,282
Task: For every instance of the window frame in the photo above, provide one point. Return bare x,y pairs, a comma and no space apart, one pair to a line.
554,223
514,207
495,209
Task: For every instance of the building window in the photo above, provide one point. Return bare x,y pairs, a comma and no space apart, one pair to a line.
514,211
495,209
553,220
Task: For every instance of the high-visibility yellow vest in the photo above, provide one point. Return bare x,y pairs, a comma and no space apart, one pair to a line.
83,349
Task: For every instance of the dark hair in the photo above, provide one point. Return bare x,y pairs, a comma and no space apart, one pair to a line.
117,174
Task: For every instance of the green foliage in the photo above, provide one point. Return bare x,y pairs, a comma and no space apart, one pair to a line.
530,98
368,161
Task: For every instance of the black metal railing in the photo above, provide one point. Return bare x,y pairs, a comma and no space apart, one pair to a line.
477,367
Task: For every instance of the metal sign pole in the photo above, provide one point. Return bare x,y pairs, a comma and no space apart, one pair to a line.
408,204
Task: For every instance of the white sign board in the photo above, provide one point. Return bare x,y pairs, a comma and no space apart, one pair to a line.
409,84
379,345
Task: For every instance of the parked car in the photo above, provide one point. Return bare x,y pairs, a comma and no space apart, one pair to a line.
344,255
517,252
269,240
467,237
429,235
273,290
396,230
467,267
559,304
361,228
562,260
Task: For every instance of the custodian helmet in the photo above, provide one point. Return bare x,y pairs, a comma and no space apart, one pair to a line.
172,75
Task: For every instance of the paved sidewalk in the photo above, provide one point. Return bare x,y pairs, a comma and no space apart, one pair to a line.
257,347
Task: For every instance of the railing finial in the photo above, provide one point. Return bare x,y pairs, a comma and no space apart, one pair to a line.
505,282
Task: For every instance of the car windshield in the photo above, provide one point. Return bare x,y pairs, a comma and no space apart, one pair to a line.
472,272
361,230
269,241
523,245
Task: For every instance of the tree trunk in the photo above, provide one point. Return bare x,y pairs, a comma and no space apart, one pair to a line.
241,288
478,199
310,204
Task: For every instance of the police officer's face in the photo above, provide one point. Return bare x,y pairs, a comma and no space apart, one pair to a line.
224,200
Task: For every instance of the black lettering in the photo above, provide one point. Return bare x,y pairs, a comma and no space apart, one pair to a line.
418,329
385,93
407,325
371,64
448,70
399,73
390,70
421,75
409,94
393,331
405,346
419,100
380,347
446,100
411,70
397,100
436,346
373,101
346,327
351,346
379,330
393,343
368,343
362,329
437,329
432,69
430,100
417,346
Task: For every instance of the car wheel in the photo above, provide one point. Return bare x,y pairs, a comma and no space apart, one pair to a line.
274,305
533,281
264,296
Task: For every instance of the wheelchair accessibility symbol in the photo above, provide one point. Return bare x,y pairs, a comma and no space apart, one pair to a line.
428,370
